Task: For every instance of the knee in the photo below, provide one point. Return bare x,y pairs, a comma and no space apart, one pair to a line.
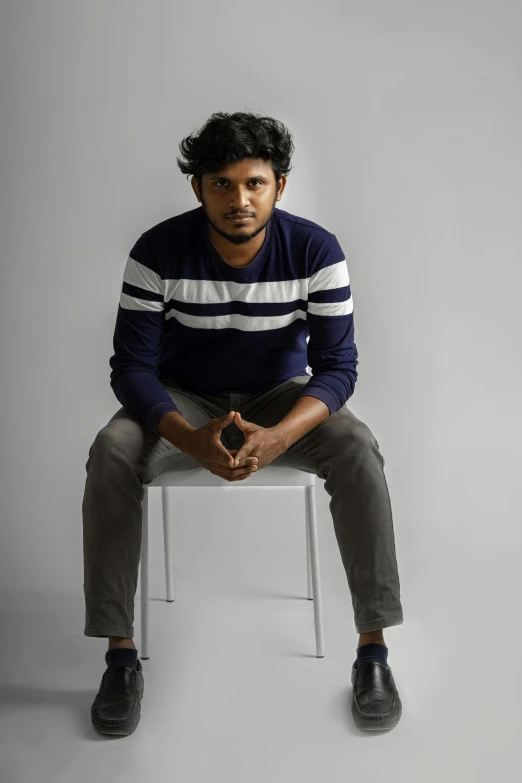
103,444
120,438
361,436
360,444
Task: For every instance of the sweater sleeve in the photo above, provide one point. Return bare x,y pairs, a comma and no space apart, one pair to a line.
332,353
137,339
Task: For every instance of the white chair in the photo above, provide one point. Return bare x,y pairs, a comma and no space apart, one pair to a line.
269,477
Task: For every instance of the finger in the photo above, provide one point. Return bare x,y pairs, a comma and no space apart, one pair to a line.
243,453
230,478
223,421
225,454
239,421
239,471
234,472
248,461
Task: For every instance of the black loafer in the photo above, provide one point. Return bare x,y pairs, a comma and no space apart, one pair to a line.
376,704
117,706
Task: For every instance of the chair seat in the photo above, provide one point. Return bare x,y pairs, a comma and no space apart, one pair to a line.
269,476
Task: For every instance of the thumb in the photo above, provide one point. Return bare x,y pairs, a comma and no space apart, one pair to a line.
226,455
220,423
240,423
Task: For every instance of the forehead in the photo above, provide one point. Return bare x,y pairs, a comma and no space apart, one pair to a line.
244,168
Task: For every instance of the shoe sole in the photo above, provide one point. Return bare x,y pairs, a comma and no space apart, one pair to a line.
383,726
122,727
120,731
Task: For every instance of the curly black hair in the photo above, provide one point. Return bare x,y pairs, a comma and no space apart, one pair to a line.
228,138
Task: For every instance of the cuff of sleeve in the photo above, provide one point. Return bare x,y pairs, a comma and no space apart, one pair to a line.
323,395
156,413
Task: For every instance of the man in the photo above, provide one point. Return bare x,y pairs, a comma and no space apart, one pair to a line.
216,309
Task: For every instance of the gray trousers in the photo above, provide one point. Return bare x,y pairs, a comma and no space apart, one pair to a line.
341,450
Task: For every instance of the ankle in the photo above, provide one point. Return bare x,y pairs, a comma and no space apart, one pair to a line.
121,642
373,637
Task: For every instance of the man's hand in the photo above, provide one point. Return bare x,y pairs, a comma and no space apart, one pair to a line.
204,443
265,443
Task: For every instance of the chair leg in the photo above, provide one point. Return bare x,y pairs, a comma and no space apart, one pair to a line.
165,504
308,564
145,577
311,522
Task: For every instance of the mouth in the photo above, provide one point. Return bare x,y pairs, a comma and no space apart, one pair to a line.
240,219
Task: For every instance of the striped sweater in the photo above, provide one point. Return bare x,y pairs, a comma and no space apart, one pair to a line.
186,314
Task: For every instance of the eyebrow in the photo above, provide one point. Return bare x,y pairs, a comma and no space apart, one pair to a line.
254,176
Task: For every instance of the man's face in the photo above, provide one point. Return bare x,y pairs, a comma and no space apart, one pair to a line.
247,187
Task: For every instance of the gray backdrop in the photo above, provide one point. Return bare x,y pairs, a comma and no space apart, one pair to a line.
407,119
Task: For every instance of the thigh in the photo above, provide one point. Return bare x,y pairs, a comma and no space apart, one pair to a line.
341,431
150,453
267,410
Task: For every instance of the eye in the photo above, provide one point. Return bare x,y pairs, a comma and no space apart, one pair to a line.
252,180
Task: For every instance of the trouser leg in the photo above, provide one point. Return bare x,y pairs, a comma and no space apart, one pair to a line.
343,451
112,526
363,524
124,457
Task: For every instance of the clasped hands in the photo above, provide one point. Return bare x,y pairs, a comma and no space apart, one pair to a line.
262,445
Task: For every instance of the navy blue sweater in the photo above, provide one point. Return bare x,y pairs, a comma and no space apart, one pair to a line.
187,315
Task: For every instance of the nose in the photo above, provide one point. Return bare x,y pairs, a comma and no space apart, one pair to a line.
239,201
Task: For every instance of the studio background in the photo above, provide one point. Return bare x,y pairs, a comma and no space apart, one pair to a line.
407,120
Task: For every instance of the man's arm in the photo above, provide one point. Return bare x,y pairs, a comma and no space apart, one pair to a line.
174,428
306,414
332,353
138,338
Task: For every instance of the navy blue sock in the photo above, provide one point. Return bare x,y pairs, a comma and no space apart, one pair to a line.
122,655
373,652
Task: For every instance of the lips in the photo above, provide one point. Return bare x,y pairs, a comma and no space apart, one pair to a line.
238,218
